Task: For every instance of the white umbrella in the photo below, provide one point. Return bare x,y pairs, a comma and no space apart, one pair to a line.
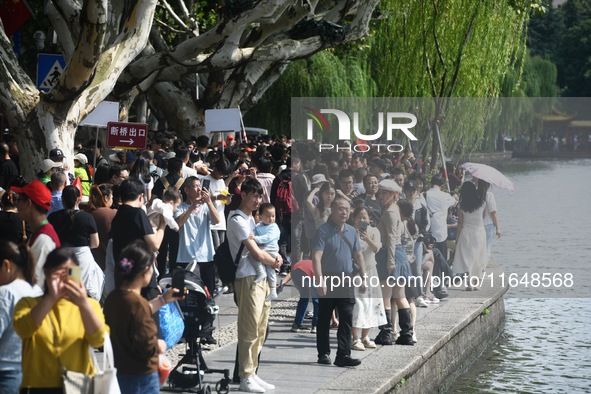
489,174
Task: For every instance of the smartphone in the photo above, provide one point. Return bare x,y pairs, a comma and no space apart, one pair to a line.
74,274
244,171
205,184
178,282
363,226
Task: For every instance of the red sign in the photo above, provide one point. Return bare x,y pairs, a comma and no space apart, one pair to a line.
127,135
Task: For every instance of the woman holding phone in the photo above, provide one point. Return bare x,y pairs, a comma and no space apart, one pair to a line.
59,325
134,333
369,307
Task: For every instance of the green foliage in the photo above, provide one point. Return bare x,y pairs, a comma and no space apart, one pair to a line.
418,48
203,15
449,48
322,75
562,35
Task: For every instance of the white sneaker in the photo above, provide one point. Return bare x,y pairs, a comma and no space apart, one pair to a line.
263,384
420,302
250,385
431,300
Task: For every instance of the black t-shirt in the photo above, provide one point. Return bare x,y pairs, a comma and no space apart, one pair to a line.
129,224
8,173
374,208
76,232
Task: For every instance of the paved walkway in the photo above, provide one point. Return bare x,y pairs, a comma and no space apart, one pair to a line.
288,359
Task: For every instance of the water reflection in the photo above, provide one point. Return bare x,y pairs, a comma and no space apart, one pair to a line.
545,347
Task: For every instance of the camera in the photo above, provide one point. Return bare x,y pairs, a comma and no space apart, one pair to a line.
244,171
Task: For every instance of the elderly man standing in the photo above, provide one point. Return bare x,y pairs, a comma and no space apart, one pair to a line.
195,217
336,246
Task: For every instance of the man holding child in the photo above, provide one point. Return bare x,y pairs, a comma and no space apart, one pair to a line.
253,308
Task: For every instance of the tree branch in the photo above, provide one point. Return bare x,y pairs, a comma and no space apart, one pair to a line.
18,94
461,51
65,31
85,57
136,25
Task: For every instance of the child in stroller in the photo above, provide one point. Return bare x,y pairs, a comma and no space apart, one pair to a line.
199,311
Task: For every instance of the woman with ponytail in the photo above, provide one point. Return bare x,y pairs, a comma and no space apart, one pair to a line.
134,333
17,270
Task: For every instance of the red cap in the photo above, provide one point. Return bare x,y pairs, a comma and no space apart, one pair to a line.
230,137
37,192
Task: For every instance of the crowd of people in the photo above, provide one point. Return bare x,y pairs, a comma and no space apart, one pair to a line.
286,213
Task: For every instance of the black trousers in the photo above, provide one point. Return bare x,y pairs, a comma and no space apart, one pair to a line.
284,223
442,246
168,251
344,307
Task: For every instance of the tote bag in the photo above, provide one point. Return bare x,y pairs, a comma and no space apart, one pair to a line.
105,379
172,325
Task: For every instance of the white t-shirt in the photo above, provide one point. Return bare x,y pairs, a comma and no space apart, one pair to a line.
240,225
490,206
215,187
42,246
438,203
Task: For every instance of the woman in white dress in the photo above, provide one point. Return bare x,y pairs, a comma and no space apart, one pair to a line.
470,255
369,307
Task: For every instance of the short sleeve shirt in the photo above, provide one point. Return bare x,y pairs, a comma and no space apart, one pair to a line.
76,234
240,225
129,224
215,187
336,254
490,206
195,242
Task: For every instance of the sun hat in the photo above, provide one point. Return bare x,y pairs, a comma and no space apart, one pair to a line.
37,192
390,186
81,157
318,178
48,164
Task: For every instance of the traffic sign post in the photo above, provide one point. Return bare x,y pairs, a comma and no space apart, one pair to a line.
49,68
127,135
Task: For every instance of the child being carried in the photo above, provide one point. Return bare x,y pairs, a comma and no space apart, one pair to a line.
266,235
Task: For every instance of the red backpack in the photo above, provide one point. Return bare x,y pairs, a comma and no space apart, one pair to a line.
285,202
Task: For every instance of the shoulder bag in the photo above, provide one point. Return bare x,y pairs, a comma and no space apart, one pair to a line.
104,380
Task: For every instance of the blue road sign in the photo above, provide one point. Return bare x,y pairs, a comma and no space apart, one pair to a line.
49,69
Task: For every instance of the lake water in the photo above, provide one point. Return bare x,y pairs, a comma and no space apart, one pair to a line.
546,344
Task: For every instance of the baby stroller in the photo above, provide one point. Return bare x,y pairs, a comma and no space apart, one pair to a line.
199,311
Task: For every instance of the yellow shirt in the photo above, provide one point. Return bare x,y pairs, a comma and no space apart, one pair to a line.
40,357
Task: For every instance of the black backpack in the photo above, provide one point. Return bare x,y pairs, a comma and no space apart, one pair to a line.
226,263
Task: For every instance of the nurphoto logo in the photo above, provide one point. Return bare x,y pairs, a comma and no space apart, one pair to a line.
389,122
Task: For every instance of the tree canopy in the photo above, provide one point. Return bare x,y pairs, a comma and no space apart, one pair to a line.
165,53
